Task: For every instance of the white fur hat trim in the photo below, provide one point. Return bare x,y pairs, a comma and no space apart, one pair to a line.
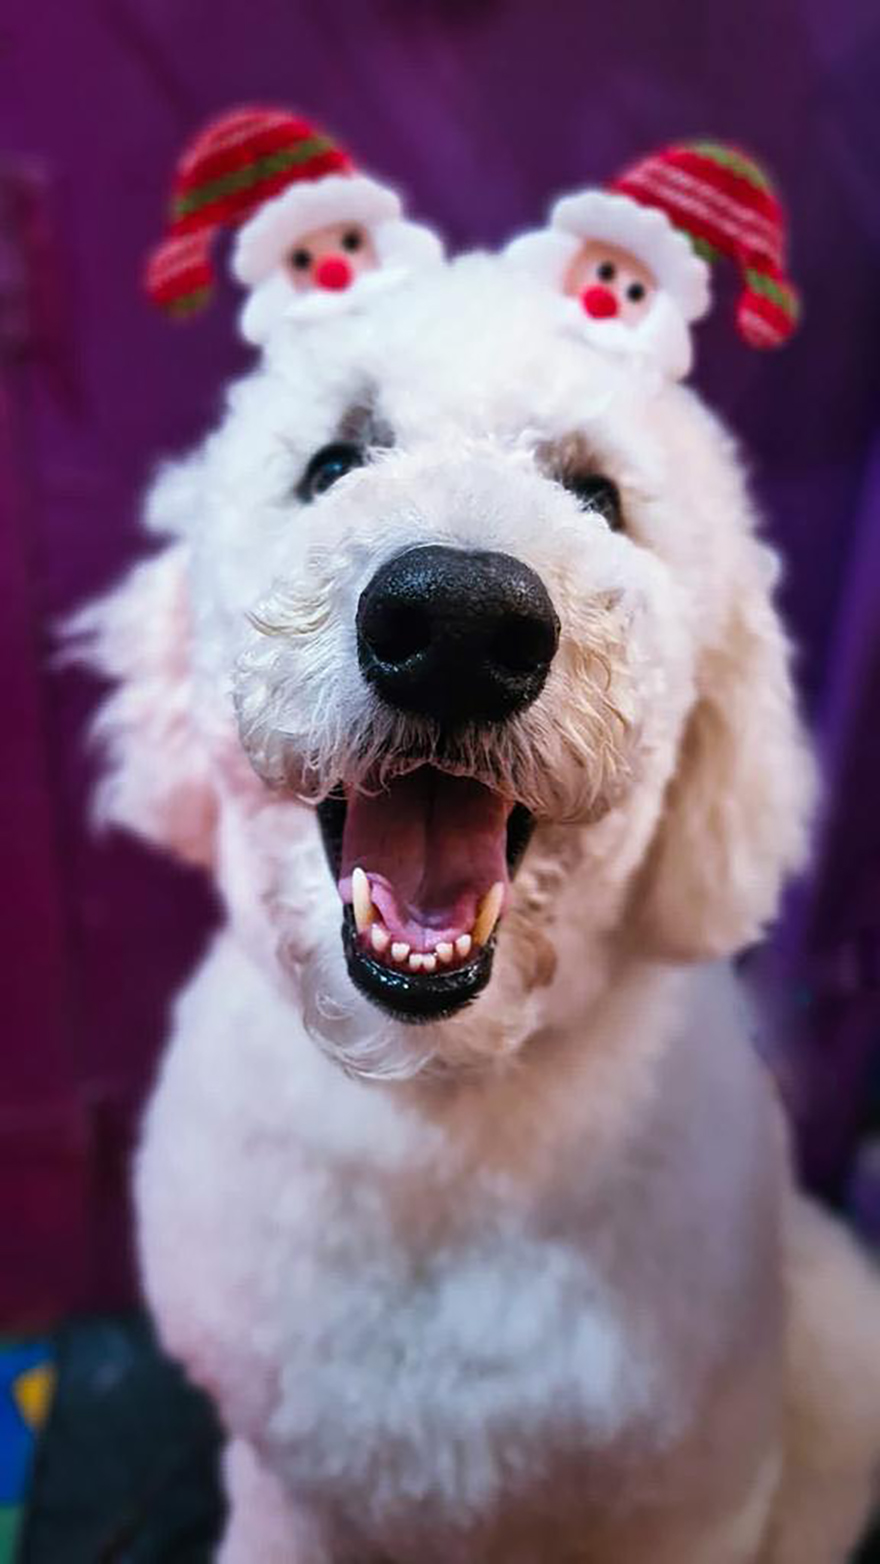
406,244
337,198
544,253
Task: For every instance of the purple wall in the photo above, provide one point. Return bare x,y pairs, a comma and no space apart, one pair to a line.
480,110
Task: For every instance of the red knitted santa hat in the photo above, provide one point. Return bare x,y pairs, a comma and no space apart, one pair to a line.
228,172
726,205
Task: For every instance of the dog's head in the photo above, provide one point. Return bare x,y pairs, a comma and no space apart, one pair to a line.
461,671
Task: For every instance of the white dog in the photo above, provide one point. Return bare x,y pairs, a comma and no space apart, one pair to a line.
461,643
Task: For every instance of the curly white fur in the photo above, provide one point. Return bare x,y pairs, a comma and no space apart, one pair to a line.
523,1285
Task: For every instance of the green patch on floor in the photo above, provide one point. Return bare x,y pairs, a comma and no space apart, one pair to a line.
10,1522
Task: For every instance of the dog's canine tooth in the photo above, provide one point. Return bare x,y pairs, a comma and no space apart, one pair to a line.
380,939
445,951
488,914
429,963
362,901
399,950
463,944
415,961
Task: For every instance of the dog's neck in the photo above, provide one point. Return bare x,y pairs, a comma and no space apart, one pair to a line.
582,1079
591,1067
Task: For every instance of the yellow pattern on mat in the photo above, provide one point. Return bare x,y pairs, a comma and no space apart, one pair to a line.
33,1391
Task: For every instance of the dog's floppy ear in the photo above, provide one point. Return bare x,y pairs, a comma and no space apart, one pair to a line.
156,779
736,816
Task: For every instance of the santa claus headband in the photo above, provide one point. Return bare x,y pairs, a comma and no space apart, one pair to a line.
272,176
677,210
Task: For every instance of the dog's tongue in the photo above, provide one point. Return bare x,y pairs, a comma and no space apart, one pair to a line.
431,846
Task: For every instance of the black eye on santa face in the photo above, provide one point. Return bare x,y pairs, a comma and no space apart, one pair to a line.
326,467
594,492
353,240
301,259
606,271
636,292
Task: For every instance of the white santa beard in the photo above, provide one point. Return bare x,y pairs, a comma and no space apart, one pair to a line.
264,306
277,301
661,339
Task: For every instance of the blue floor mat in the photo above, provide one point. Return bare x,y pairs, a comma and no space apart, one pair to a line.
127,1470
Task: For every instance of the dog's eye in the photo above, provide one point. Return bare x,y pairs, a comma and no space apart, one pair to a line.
596,493
326,467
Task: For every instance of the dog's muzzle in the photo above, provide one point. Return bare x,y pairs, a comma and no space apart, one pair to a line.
424,862
456,635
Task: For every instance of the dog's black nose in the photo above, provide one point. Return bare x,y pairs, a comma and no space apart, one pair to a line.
456,634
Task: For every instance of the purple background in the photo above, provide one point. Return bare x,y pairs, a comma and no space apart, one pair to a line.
480,110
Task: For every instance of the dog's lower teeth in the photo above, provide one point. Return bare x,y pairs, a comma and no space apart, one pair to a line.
371,928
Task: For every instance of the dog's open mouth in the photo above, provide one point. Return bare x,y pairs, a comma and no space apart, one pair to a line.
424,869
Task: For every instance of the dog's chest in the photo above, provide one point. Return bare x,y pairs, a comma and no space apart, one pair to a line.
422,1322
434,1340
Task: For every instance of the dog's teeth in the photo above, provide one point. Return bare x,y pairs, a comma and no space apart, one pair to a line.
429,963
445,951
488,915
415,961
463,945
362,901
380,939
399,950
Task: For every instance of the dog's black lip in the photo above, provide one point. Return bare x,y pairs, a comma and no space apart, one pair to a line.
423,996
331,818
417,997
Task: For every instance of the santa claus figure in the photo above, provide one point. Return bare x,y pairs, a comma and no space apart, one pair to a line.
313,235
631,263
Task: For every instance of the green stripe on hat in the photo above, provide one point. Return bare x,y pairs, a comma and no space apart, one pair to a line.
702,247
728,157
188,303
243,178
778,294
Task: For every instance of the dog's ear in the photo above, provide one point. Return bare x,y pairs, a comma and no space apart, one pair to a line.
156,779
736,817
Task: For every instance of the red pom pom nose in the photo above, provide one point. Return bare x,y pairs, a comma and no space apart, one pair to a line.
334,273
599,302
